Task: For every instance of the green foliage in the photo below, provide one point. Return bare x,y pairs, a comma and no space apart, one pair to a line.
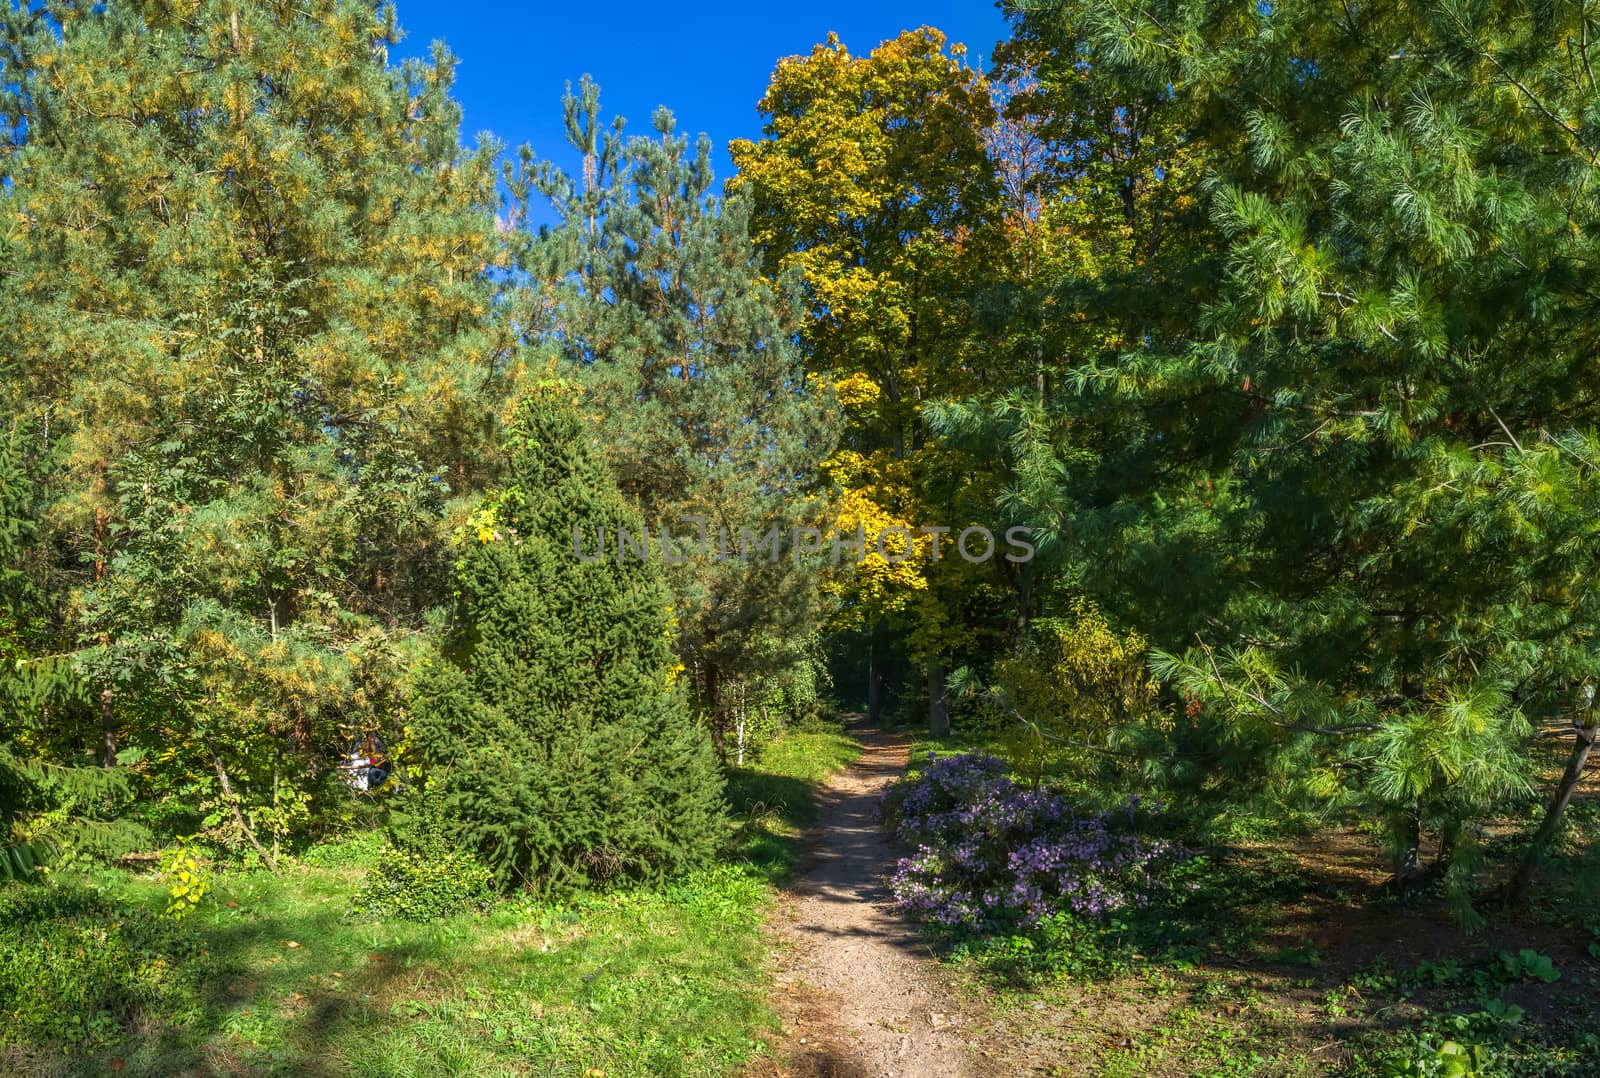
1069,688
1528,964
1431,1058
413,885
650,291
1284,407
773,796
637,980
189,882
256,389
1190,899
46,808
17,863
1457,1045
550,739
77,967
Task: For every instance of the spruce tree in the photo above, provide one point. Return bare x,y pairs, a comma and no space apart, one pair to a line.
650,287
553,741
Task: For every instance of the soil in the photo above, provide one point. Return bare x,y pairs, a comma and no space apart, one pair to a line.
861,995
859,992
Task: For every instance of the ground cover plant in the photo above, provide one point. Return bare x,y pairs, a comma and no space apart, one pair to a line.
346,962
1269,949
990,852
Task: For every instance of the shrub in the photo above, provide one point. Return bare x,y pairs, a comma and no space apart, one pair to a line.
992,854
552,738
188,882
1070,681
76,965
423,886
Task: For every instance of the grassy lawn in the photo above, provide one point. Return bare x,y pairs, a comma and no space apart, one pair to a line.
774,800
271,974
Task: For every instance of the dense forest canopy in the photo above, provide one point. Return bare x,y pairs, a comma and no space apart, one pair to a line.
1273,328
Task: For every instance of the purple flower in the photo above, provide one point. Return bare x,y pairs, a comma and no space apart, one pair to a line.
989,851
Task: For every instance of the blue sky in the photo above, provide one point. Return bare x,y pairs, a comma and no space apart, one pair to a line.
708,62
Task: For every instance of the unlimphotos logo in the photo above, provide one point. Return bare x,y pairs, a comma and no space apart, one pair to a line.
974,543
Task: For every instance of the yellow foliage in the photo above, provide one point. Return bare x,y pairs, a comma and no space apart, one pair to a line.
857,390
872,489
188,881
1072,681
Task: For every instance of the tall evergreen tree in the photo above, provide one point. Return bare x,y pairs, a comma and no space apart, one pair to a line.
553,741
1386,404
650,288
248,299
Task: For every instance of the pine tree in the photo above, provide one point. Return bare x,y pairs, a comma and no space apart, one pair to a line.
247,303
1107,243
1378,421
650,288
45,805
553,741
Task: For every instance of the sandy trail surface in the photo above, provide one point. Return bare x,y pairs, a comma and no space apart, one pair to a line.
864,996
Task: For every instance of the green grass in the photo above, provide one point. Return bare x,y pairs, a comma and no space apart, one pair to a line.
964,737
774,799
662,981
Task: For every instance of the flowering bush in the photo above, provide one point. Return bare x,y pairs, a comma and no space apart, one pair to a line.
991,853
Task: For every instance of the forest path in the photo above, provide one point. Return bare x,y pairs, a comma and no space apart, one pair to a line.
860,994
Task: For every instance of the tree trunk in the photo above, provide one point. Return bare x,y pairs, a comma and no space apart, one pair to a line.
1448,839
938,703
276,790
301,731
715,712
108,731
1544,838
740,759
874,686
1408,856
233,803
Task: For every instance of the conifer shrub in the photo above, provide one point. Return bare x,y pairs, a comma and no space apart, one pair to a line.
552,740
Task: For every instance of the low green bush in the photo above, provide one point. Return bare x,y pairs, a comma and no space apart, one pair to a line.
1435,1059
424,885
77,966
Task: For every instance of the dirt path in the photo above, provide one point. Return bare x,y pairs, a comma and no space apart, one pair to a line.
858,983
